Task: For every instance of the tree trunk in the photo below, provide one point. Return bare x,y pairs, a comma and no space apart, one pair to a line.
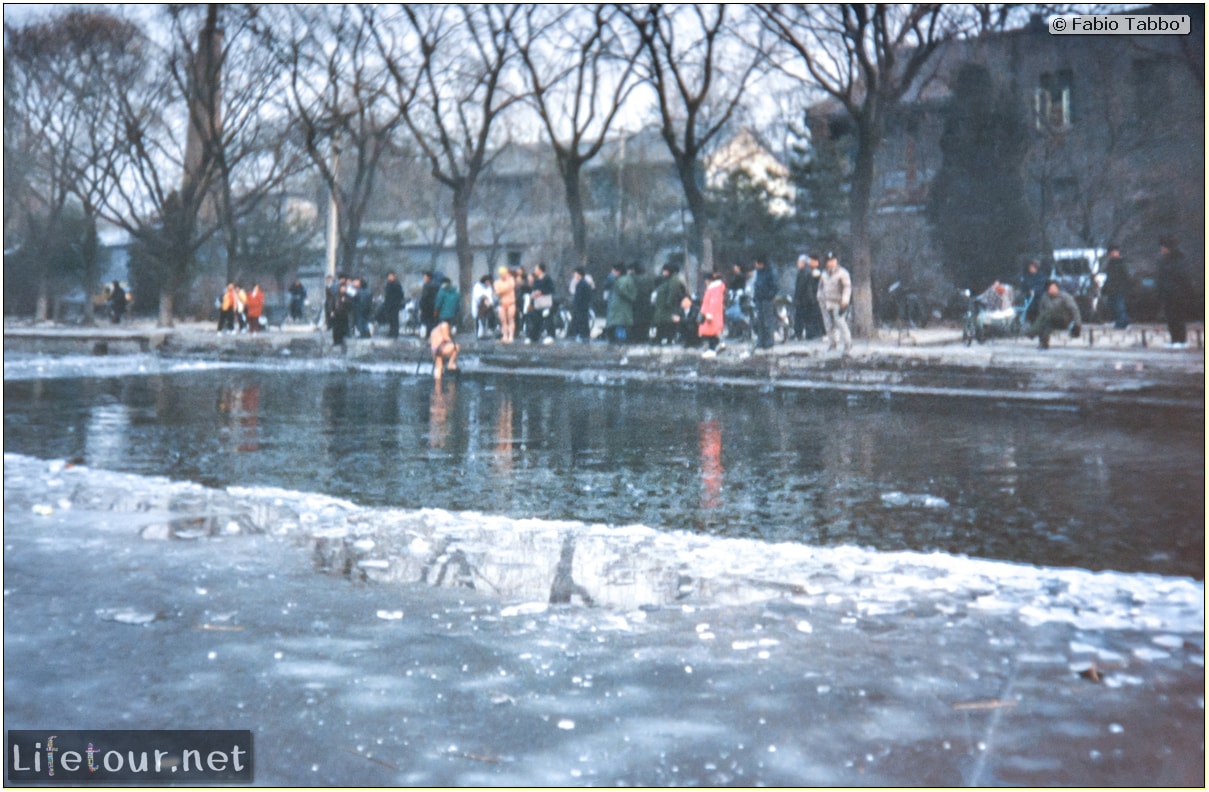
575,208
166,306
347,264
89,252
461,221
695,198
42,302
861,267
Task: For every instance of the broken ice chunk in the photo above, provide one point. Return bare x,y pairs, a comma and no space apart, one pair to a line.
127,615
916,500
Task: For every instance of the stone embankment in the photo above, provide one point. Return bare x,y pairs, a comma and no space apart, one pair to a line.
1104,367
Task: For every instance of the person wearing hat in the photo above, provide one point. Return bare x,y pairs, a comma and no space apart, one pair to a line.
505,291
834,293
1058,311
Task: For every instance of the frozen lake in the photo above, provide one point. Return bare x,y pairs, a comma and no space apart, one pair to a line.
507,583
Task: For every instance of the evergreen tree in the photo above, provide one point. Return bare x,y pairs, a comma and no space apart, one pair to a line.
819,171
977,210
744,224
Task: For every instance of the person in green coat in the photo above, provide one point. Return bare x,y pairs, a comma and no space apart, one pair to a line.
668,296
448,303
621,303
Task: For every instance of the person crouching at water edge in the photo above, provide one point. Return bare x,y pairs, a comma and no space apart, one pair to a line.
444,350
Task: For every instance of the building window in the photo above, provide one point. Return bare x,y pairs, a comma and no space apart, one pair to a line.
1052,100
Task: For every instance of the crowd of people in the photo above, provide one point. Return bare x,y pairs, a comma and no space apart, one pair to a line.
513,305
241,311
1049,310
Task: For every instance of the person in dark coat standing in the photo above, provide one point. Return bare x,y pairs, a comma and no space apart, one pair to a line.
1116,286
1033,286
363,308
807,318
331,295
621,305
1175,291
428,303
392,303
667,311
644,309
117,303
765,295
581,306
539,321
297,300
341,309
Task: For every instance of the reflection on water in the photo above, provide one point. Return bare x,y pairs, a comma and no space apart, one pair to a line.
710,433
107,435
438,413
1122,491
241,406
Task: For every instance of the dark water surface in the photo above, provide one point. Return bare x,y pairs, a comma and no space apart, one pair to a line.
1122,490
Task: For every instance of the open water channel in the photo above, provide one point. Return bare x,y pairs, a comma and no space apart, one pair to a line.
1122,490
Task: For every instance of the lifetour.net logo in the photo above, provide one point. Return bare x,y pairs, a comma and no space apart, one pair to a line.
187,757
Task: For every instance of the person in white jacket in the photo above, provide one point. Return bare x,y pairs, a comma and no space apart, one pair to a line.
835,293
482,307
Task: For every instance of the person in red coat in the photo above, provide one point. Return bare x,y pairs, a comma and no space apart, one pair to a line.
713,306
255,308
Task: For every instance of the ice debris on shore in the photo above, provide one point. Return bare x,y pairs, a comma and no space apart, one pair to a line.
626,569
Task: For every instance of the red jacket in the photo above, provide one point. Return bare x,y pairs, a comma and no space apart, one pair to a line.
713,306
255,305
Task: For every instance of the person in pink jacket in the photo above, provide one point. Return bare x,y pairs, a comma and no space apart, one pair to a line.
713,306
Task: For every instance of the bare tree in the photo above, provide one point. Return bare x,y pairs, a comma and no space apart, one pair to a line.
580,70
866,57
451,66
58,130
232,80
413,196
698,68
339,96
125,157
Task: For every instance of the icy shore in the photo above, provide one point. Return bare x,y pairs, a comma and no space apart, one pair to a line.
372,646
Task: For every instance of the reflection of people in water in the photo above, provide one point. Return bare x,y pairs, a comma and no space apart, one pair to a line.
242,407
503,435
709,434
438,413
